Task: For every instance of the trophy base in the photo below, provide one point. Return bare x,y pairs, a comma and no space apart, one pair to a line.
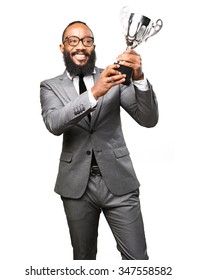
126,70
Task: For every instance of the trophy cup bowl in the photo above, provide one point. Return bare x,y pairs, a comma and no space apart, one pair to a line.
136,29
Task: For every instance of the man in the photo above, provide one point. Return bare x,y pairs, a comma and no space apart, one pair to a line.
95,172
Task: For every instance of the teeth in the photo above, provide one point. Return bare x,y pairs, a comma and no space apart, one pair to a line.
80,56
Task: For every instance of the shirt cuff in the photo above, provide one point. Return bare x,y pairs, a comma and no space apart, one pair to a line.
93,101
141,84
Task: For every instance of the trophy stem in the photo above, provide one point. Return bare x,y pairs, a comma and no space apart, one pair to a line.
129,48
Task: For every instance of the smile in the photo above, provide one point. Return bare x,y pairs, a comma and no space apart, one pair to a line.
80,56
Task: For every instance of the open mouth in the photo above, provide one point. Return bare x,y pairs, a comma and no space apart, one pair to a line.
80,56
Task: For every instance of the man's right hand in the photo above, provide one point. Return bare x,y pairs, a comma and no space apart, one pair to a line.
109,77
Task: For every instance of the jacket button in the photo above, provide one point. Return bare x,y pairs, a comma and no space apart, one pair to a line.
88,153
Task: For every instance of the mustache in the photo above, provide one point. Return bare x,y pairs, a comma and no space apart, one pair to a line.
79,52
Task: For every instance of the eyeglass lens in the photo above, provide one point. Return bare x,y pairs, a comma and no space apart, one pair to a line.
74,41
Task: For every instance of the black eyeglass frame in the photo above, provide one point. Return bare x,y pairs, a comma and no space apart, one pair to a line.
79,39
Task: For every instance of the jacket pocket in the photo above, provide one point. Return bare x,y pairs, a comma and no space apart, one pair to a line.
66,156
121,152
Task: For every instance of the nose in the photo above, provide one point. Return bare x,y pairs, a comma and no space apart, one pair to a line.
80,45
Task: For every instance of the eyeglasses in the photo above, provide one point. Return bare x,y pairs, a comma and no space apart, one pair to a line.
74,41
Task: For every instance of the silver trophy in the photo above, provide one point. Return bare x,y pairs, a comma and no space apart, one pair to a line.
136,29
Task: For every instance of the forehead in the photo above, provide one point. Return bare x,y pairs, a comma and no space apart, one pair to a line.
79,30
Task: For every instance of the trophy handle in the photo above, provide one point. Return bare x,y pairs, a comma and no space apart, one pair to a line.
155,28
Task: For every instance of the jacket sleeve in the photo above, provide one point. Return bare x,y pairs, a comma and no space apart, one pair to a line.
60,114
141,105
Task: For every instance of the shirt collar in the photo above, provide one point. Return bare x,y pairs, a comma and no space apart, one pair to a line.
72,77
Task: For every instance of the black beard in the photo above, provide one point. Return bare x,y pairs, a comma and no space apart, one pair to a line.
75,69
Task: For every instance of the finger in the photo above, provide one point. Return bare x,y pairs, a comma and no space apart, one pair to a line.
114,66
116,78
112,71
117,82
132,61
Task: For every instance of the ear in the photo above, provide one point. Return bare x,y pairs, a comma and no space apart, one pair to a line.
61,48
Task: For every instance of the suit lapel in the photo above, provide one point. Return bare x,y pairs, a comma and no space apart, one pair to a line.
70,91
68,87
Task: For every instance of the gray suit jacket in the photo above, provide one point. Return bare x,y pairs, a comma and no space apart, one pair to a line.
65,112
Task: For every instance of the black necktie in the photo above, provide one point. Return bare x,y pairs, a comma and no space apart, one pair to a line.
82,86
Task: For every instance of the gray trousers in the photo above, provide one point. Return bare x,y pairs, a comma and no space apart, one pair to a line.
122,213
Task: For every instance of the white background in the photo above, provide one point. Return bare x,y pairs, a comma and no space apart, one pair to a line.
33,225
